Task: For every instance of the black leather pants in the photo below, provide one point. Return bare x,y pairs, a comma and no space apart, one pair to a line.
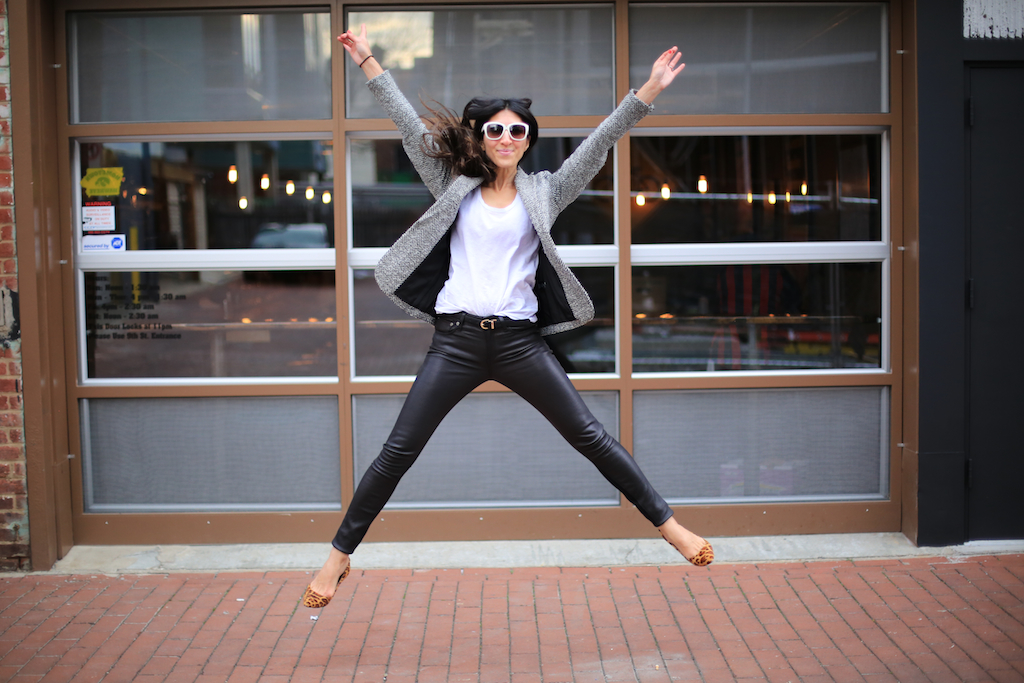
466,352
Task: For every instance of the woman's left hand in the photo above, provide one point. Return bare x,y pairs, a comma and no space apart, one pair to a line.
664,71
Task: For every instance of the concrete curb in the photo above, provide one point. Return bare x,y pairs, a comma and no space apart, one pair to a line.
499,554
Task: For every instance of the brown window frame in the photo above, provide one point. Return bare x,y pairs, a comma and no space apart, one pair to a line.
403,525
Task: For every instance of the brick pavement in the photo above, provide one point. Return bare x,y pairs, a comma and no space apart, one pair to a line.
905,620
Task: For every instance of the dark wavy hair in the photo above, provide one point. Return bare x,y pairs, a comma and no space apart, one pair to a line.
459,142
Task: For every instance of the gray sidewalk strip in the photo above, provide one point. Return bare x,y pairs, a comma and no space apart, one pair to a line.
500,554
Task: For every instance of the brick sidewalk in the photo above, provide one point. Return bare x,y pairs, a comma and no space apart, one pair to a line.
889,620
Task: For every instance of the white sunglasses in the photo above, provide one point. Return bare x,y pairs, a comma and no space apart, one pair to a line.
517,131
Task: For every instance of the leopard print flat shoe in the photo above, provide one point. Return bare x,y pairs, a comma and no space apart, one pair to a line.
314,600
704,556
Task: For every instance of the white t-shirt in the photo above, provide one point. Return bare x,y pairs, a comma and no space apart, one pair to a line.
494,261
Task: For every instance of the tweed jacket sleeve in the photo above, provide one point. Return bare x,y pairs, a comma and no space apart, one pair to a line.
584,163
409,123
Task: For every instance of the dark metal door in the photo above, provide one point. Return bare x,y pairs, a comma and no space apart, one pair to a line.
995,299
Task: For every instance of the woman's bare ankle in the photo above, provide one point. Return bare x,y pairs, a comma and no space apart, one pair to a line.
326,580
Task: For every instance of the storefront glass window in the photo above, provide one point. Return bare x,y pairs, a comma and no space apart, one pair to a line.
756,188
798,58
390,343
818,316
749,233
269,194
388,195
591,348
210,324
200,66
386,340
590,219
561,57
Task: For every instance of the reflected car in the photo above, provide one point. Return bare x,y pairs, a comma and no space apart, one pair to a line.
291,236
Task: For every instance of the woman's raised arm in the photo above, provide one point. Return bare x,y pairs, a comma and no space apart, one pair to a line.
358,47
587,159
432,170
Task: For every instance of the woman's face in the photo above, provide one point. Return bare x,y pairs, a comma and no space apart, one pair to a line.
505,152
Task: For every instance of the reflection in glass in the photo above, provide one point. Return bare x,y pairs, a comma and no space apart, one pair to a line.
591,348
795,58
807,316
590,219
387,341
209,66
390,343
210,324
756,188
388,195
188,195
558,56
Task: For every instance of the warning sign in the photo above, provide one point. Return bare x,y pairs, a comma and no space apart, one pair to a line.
98,217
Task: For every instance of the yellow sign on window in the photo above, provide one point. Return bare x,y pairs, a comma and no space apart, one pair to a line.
101,182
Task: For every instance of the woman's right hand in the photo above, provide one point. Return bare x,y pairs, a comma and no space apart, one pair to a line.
358,47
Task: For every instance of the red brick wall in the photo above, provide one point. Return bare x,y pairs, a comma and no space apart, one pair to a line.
13,499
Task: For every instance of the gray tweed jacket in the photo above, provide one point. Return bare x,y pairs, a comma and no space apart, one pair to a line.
415,269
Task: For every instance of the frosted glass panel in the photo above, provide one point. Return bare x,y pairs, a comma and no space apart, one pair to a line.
493,450
742,445
208,66
561,57
197,454
765,59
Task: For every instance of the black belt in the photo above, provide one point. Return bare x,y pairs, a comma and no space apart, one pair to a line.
493,322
